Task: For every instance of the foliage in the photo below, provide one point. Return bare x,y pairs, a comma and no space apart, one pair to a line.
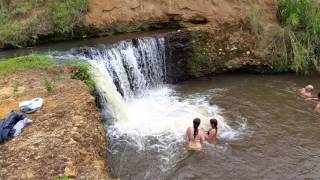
24,63
83,74
66,15
200,55
302,21
16,86
48,84
62,178
22,21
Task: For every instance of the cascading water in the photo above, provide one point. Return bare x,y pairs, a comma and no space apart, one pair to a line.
146,138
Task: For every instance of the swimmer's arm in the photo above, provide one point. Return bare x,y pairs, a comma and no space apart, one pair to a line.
311,99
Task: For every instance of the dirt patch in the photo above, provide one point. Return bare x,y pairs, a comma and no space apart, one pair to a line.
66,137
103,13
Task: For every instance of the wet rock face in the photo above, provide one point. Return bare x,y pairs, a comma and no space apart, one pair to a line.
178,53
197,53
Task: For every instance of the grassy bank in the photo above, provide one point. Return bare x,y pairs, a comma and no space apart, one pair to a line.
34,62
23,21
24,63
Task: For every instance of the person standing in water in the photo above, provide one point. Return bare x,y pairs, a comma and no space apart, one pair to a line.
195,136
212,133
306,91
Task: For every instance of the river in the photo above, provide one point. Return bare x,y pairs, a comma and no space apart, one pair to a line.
265,131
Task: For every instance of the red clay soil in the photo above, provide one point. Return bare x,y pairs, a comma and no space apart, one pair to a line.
66,137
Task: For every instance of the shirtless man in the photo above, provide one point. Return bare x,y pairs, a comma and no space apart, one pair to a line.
195,136
212,133
306,91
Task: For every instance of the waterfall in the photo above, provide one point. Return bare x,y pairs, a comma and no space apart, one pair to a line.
149,116
134,65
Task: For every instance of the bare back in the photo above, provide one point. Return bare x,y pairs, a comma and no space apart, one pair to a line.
195,143
212,135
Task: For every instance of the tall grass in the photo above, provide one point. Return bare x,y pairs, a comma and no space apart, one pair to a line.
302,21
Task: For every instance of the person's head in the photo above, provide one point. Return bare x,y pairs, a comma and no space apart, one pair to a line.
309,88
214,123
319,95
196,123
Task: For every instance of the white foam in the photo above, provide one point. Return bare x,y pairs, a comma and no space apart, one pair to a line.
161,111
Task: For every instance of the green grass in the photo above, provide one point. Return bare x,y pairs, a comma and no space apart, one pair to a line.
83,74
24,63
22,21
48,84
301,19
16,86
66,15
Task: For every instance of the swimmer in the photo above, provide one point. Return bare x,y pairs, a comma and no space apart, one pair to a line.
195,136
212,133
306,91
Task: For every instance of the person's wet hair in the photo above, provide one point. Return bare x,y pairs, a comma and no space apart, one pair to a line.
214,123
319,95
196,123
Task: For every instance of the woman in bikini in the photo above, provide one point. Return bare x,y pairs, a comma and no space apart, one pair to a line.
195,136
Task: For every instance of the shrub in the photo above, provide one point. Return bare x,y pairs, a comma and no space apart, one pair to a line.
83,74
48,84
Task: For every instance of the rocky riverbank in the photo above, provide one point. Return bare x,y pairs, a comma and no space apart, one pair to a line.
66,138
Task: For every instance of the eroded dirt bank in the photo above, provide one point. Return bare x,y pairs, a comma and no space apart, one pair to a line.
104,13
66,137
230,35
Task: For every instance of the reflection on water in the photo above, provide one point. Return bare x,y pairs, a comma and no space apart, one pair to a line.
279,138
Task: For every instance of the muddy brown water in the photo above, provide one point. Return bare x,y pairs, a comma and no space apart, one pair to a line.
282,139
